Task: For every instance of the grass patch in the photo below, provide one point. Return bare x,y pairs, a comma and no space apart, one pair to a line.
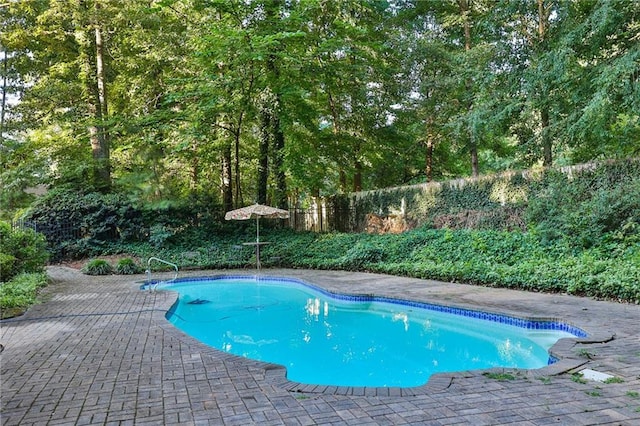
614,380
19,293
633,394
302,397
585,353
128,266
578,379
97,267
501,377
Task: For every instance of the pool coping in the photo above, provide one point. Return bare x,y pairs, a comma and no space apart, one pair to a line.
567,359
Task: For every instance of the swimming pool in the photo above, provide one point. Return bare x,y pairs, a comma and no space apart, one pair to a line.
353,340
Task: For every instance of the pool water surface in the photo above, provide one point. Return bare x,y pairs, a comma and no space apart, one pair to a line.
331,339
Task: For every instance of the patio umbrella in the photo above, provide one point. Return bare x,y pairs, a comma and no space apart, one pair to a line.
257,211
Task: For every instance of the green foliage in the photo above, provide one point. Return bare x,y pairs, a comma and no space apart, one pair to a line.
578,378
491,202
506,259
78,223
7,266
497,258
515,260
127,266
362,256
159,234
582,238
97,267
21,250
590,205
20,292
585,353
586,205
501,377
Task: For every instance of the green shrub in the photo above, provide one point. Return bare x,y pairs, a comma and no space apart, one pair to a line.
78,224
590,206
20,292
361,256
506,259
21,250
517,260
7,266
581,202
583,235
159,235
97,267
127,266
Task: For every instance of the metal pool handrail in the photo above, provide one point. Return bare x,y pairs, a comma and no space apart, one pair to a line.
152,286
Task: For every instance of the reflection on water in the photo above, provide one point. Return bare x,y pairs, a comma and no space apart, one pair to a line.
509,352
313,308
402,316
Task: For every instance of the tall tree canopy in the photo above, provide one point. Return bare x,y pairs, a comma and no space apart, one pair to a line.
281,100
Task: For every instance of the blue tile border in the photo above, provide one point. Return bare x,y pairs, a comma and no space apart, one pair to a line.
527,323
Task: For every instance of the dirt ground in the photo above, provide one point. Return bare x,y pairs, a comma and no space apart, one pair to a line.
112,259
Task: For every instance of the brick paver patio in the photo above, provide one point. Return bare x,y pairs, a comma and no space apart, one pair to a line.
100,351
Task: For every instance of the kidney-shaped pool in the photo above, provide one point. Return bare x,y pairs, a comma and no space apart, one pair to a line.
353,340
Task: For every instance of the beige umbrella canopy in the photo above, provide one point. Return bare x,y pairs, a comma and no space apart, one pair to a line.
256,212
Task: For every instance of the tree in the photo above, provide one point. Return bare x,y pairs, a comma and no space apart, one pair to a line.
91,49
350,66
566,62
61,47
455,76
428,78
604,121
270,103
273,100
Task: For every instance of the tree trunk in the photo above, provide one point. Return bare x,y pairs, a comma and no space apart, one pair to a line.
429,158
263,155
4,96
357,176
543,25
238,199
271,122
227,190
475,171
278,162
103,153
342,179
195,167
473,148
430,143
546,139
542,20
95,82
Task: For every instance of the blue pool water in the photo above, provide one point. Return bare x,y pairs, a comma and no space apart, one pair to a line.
328,339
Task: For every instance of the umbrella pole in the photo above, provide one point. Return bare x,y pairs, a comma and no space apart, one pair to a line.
258,242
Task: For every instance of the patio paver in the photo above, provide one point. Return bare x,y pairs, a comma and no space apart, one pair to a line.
100,351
